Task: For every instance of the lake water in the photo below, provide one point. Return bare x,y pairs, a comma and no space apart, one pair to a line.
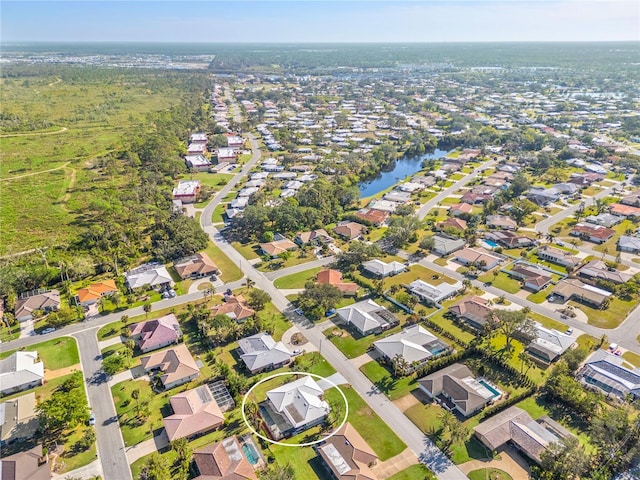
403,168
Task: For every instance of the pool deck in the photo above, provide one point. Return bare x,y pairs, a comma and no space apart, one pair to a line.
248,440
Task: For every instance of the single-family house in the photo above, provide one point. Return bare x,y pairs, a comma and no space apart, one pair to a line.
373,216
196,266
198,163
261,352
543,196
501,222
317,237
277,247
509,239
28,302
294,407
458,209
557,256
629,244
367,317
235,307
187,191
224,460
347,455
195,412
604,219
433,294
413,346
478,257
379,269
27,465
455,388
94,292
624,210
226,155
444,245
350,230
633,199
516,427
549,343
596,270
397,196
574,289
18,419
158,333
384,205
176,365
198,137
474,310
452,223
334,278
592,233
606,371
197,149
20,371
235,142
152,275
532,277
567,188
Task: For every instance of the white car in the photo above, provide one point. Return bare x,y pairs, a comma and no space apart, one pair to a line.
47,330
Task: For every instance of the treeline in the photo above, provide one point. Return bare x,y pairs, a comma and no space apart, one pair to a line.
136,221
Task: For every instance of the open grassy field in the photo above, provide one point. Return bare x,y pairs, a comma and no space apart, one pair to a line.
414,472
297,280
85,118
56,353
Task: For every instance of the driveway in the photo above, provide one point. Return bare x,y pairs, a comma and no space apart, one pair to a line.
509,461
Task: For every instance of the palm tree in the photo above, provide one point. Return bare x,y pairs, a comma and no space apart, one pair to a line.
135,394
147,308
250,283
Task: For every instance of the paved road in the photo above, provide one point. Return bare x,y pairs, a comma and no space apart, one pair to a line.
424,209
110,444
321,262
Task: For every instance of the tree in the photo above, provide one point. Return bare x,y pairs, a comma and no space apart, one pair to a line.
564,460
319,298
400,365
358,252
278,472
427,243
402,230
147,308
453,432
135,394
525,360
512,323
521,209
176,237
112,364
156,468
184,451
258,299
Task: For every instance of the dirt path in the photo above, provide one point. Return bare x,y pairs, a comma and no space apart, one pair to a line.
31,134
51,374
72,183
35,173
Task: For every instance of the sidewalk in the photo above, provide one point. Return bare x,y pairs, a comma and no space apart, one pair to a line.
148,446
88,471
111,341
365,358
395,464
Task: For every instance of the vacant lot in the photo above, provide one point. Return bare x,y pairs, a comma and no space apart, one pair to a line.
56,353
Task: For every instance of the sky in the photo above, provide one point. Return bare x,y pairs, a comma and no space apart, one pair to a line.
319,21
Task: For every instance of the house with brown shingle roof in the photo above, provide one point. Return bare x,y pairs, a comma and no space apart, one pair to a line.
39,300
592,233
557,256
334,277
374,217
451,222
458,209
223,461
277,247
347,455
196,266
28,465
474,310
350,230
533,278
501,222
478,257
316,237
157,333
234,307
176,364
195,412
91,294
624,210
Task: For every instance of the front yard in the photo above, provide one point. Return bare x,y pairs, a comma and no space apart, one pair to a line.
391,386
610,317
297,280
501,281
57,353
414,472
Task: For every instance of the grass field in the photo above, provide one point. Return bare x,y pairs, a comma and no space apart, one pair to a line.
297,280
501,281
91,117
632,357
394,388
230,272
492,473
414,472
56,353
610,317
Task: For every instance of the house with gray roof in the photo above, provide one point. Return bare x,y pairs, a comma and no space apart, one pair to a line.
596,270
629,244
543,196
380,269
444,245
414,345
606,372
27,465
367,317
18,420
549,344
455,388
261,352
28,302
604,219
154,275
20,371
433,294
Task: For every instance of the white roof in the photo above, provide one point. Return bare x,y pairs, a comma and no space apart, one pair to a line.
148,275
408,344
359,315
299,401
226,153
382,268
552,340
261,350
197,160
20,368
187,187
433,292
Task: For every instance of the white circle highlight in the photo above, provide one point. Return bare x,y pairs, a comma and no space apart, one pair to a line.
307,444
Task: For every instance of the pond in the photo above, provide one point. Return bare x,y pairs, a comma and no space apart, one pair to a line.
403,168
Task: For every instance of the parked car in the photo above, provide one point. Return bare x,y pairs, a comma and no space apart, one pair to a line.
569,331
213,278
299,311
92,419
297,352
172,293
48,330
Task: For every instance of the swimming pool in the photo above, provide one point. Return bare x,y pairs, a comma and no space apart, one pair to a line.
490,243
489,387
250,453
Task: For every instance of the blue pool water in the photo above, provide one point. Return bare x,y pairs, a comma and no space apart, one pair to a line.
489,387
437,350
250,453
491,243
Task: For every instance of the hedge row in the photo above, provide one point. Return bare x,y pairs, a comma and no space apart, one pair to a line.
491,411
438,329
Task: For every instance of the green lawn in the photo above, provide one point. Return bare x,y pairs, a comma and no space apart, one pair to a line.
449,325
392,387
230,272
610,317
414,472
501,281
489,473
547,322
354,346
632,357
305,462
8,334
541,296
56,353
418,272
297,280
247,250
384,442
